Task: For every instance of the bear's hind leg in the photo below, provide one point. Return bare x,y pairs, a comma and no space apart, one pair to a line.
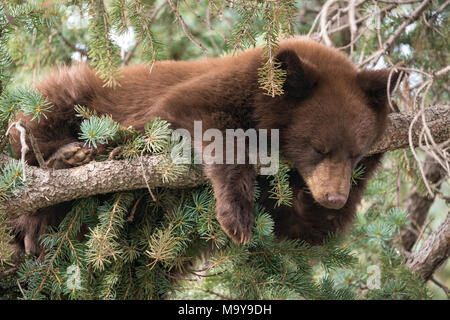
29,228
71,155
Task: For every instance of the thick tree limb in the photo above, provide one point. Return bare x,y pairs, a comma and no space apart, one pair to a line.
49,187
433,253
396,134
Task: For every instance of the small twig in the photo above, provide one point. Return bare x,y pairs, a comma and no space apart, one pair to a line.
416,157
216,294
157,10
23,143
145,177
20,288
130,53
352,22
35,146
436,14
390,41
9,272
421,233
133,210
4,140
324,22
400,1
363,18
185,27
443,287
394,69
441,72
24,130
83,52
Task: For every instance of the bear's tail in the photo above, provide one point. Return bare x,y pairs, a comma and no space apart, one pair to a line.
64,88
70,85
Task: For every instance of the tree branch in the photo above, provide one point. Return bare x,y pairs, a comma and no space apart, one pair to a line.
415,15
433,253
396,134
418,205
50,187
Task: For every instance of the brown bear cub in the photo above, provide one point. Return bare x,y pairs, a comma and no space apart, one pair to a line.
328,118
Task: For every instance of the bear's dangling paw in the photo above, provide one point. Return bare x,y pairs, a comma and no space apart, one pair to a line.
237,222
71,155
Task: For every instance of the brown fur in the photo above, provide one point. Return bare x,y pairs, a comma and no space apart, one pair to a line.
328,118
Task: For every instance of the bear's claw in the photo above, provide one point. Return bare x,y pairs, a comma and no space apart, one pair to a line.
71,155
237,227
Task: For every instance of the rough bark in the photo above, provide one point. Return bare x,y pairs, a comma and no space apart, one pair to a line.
418,205
49,187
433,253
396,134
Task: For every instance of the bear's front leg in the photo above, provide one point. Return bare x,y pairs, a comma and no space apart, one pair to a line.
233,188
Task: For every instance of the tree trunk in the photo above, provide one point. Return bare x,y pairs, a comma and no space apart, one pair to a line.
418,205
433,253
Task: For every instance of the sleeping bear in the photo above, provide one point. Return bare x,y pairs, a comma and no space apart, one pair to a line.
328,117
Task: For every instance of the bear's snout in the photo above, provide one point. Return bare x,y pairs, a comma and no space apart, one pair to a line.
329,183
335,200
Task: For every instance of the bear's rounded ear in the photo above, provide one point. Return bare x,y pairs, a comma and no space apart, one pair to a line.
374,83
300,75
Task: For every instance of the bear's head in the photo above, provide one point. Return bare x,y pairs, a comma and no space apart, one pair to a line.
329,117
